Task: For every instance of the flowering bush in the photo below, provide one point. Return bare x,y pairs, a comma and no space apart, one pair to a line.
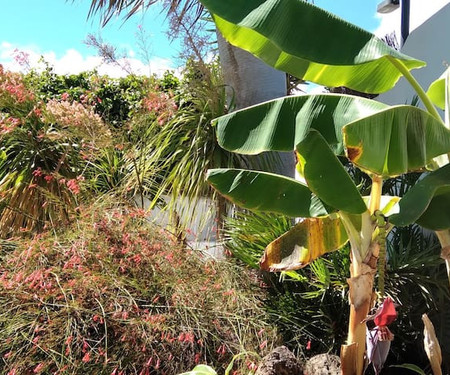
161,104
114,99
43,152
115,295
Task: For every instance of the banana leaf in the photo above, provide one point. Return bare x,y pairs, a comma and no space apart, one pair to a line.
397,140
427,203
326,177
280,124
262,191
303,243
301,39
436,91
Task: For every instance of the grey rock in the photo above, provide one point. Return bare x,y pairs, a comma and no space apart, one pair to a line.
280,361
323,364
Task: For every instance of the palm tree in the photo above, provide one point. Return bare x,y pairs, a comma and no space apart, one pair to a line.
109,8
250,81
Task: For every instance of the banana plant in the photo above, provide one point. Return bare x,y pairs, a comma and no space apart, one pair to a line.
383,141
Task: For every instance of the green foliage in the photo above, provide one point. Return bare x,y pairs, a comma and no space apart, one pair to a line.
417,281
114,294
44,147
169,82
173,151
307,305
310,304
114,99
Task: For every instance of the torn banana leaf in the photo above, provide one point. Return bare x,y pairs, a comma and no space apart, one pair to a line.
303,243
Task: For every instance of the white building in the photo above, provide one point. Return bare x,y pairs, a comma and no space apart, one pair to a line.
429,40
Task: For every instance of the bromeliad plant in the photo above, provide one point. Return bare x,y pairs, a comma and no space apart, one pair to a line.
381,140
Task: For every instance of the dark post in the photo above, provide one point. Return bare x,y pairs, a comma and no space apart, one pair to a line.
405,20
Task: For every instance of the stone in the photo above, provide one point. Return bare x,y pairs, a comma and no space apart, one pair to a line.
280,361
323,364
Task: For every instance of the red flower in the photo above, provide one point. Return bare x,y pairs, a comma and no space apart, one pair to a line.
379,338
385,314
86,358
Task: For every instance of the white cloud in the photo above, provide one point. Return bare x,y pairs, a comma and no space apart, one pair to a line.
420,11
73,62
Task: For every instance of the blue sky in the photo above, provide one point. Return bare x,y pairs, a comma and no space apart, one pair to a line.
57,29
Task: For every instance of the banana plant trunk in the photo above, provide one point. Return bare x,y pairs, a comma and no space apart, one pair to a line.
360,297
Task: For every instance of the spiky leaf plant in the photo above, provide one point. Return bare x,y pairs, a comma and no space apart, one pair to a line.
43,149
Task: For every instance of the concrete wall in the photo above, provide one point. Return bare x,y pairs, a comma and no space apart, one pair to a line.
429,42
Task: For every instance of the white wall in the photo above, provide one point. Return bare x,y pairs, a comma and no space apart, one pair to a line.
420,11
429,42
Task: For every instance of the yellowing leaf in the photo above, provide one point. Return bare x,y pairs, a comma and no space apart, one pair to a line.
303,243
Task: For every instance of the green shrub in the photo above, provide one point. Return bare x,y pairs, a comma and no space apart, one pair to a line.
113,294
44,147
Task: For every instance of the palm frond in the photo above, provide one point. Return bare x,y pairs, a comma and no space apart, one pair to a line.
110,8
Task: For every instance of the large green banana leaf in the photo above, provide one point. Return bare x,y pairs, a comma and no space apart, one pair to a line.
325,175
427,203
303,243
395,141
436,91
262,191
309,43
280,124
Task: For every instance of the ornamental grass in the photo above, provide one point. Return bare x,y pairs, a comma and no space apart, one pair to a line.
113,294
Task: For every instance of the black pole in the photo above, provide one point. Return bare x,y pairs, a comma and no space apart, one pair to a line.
405,20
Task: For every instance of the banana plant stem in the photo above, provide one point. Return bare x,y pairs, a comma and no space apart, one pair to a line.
418,89
444,239
375,194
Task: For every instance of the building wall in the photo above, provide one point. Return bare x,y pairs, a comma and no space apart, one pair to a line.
429,42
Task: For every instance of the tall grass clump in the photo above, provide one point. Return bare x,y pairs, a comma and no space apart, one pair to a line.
113,294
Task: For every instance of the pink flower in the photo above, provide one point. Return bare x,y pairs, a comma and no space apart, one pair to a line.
73,186
38,368
37,172
21,57
86,357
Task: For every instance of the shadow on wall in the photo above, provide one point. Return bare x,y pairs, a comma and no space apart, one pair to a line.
429,42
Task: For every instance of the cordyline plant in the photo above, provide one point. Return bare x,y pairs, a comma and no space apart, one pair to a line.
383,141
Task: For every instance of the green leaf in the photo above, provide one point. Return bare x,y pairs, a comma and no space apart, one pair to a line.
326,177
395,141
303,243
427,203
280,124
309,43
436,91
261,191
201,370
